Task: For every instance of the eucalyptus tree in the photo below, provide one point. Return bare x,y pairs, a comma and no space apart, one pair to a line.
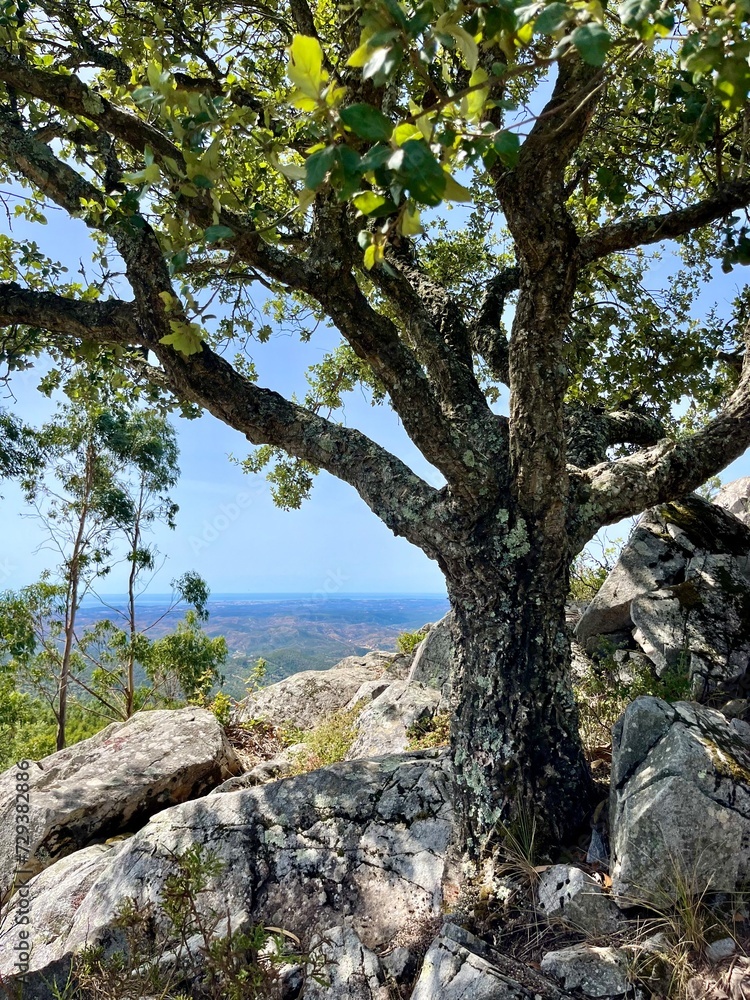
76,495
296,153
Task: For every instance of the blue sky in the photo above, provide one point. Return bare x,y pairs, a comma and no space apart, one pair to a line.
228,528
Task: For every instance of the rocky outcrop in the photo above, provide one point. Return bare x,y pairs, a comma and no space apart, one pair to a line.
735,497
305,699
355,849
569,895
434,659
680,801
680,594
110,783
384,726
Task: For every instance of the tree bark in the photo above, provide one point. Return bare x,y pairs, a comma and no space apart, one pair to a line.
515,743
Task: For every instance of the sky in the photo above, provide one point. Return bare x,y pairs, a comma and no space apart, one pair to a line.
228,528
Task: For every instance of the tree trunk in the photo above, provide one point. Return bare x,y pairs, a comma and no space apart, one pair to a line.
515,743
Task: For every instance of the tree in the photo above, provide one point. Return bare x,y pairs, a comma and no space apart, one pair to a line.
75,493
213,166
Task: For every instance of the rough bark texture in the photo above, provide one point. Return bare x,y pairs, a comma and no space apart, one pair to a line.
523,494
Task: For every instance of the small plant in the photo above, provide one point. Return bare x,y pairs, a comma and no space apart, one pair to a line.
329,742
434,731
407,642
180,948
606,690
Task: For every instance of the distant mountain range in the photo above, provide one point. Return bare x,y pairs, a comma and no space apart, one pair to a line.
291,632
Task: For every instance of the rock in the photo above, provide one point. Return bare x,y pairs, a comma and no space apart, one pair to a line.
368,691
279,766
650,558
110,783
356,845
434,659
459,967
701,624
305,699
384,724
680,802
46,907
568,894
597,972
352,971
735,497
717,951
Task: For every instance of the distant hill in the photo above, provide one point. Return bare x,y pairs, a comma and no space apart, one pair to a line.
292,633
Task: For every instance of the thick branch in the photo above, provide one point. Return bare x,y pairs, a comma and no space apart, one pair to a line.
487,337
668,226
71,95
113,321
590,433
400,498
669,469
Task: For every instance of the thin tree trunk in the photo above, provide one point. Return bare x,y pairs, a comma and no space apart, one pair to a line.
130,679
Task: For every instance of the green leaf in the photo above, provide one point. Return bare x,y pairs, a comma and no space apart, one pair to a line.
368,202
367,122
421,172
634,12
507,146
593,41
215,233
317,167
552,18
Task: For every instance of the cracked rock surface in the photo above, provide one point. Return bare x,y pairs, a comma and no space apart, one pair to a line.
680,801
383,726
356,849
111,783
305,699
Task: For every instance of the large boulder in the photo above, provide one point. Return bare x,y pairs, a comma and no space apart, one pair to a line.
306,699
735,497
355,849
680,593
386,724
107,784
653,556
700,626
680,802
434,659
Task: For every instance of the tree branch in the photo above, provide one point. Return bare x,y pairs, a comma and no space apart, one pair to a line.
487,338
590,432
113,321
618,489
407,504
670,225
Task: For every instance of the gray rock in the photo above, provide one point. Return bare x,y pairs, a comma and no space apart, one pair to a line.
570,895
700,624
597,972
456,967
680,802
368,691
651,558
717,951
279,766
356,845
384,724
434,659
307,698
111,782
352,971
46,907
735,497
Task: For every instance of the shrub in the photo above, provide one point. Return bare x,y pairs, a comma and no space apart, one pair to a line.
407,642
